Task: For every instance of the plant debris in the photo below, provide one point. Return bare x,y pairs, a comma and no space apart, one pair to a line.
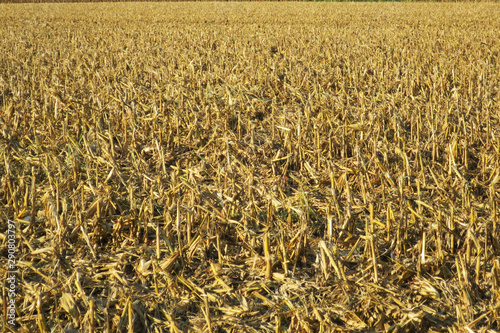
251,167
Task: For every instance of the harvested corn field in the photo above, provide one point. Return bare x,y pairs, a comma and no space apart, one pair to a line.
250,167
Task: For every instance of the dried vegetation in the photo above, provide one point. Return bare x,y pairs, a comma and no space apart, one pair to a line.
228,167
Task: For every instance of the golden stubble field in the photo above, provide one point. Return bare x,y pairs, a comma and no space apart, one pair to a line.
251,167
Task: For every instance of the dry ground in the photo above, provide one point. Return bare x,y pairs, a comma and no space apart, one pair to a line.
251,167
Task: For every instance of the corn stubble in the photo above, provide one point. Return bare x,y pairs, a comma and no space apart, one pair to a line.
252,167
